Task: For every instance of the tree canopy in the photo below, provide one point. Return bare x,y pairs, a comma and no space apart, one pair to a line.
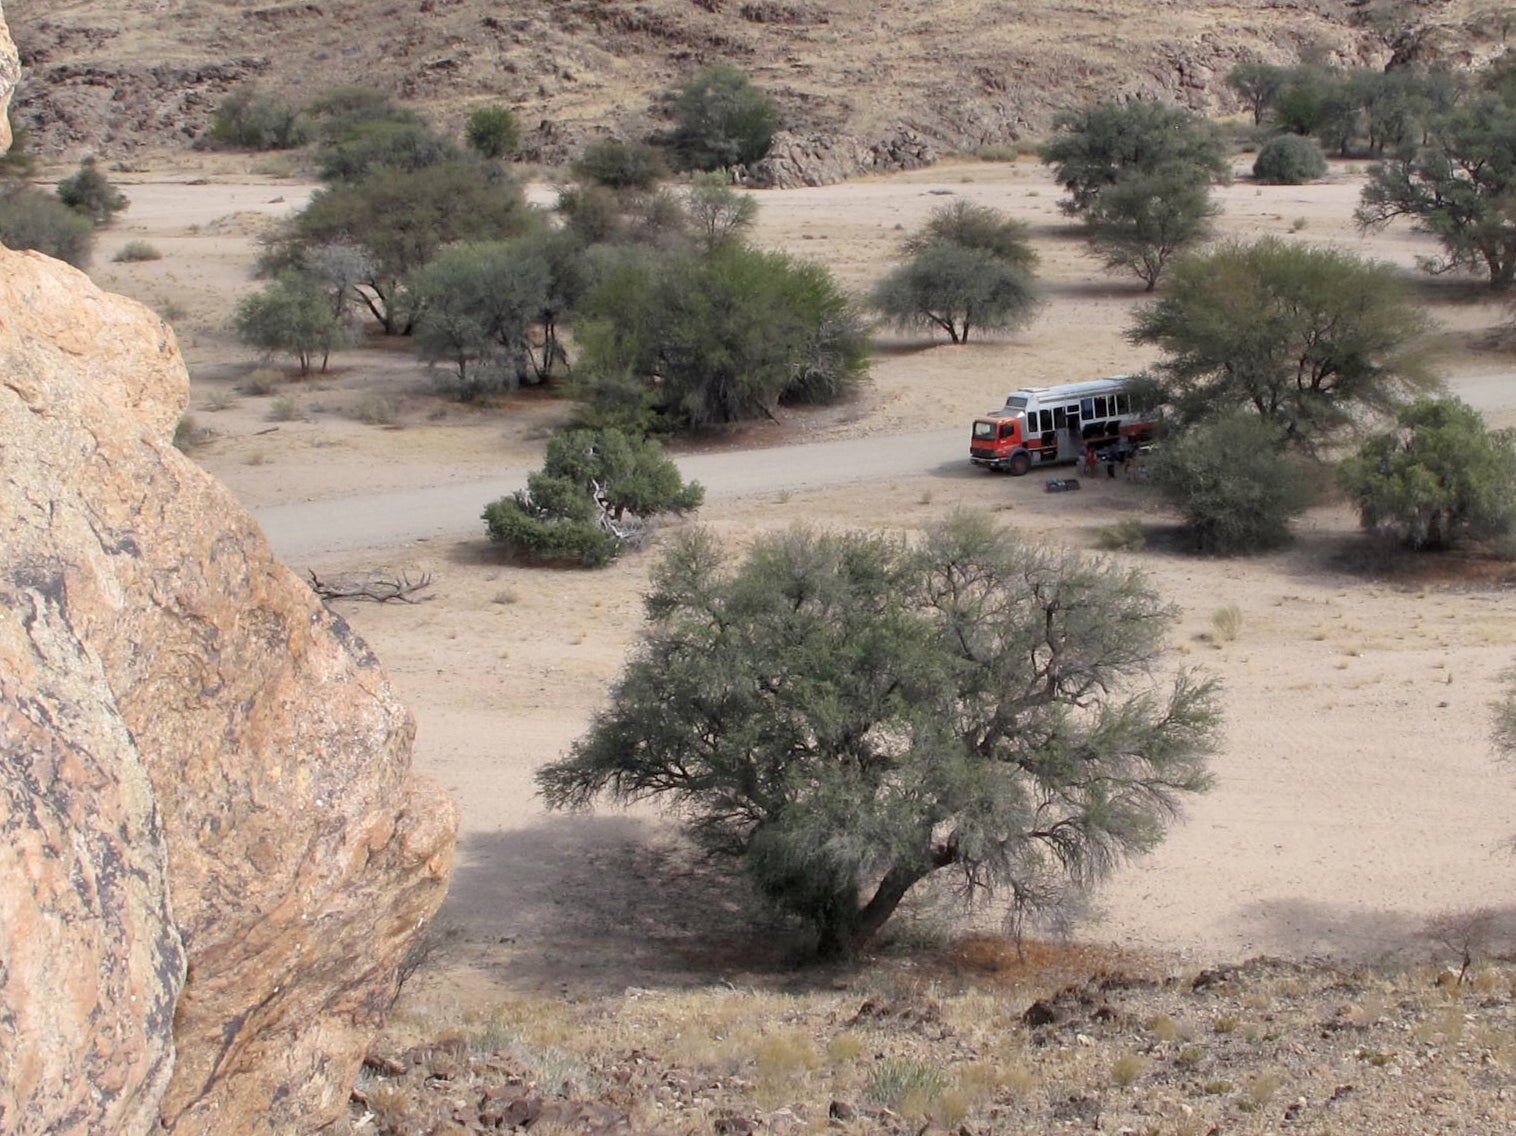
720,335
1308,338
293,315
1095,147
720,119
970,267
1143,221
401,218
848,714
1459,187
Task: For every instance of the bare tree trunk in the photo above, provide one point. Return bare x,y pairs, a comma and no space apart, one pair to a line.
876,913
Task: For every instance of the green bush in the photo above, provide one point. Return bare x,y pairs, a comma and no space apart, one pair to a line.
90,193
1289,159
587,501
1233,484
721,336
1441,476
492,132
397,145
248,120
33,219
620,165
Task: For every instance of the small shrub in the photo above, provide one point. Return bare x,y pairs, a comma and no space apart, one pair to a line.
1123,536
1289,159
492,132
284,409
1260,1091
997,152
135,251
219,400
780,1056
188,434
843,1048
247,120
263,381
621,165
376,410
1164,1028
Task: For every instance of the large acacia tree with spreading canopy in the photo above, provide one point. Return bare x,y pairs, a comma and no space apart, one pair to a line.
847,715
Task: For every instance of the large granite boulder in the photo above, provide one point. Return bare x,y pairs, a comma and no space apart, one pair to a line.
214,855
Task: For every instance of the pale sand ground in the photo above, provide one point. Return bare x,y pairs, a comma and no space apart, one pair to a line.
1356,793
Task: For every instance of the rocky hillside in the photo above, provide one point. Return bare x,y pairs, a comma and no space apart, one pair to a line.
121,76
973,1043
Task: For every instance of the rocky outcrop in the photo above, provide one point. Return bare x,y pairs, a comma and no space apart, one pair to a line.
178,706
214,853
817,159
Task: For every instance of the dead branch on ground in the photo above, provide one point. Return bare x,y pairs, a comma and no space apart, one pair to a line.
380,589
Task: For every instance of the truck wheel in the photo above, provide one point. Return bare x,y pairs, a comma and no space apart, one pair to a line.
1020,463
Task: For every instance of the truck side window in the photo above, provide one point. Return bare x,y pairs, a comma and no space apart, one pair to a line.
1087,408
1060,418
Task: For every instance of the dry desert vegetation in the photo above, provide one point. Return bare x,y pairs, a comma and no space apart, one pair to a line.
1356,834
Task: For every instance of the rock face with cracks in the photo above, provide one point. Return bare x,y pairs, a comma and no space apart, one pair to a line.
214,853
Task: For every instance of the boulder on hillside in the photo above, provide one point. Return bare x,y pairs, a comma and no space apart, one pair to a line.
214,855
173,693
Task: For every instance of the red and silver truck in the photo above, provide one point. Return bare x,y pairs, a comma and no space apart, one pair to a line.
1072,422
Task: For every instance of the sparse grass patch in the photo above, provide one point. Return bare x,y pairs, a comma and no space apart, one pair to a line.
997,152
506,596
220,399
1164,1028
1127,1069
1260,1090
844,1048
909,1087
1226,622
134,251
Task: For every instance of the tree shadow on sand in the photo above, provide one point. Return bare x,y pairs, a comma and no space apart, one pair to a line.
1378,937
602,903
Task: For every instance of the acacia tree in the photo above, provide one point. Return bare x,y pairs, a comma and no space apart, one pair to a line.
400,219
292,315
1143,221
1439,477
719,335
970,267
720,119
1460,187
847,715
1258,84
1307,338
476,304
1096,147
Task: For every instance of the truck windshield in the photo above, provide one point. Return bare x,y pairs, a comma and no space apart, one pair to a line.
984,430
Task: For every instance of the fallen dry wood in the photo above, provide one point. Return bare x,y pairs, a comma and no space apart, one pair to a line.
380,589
